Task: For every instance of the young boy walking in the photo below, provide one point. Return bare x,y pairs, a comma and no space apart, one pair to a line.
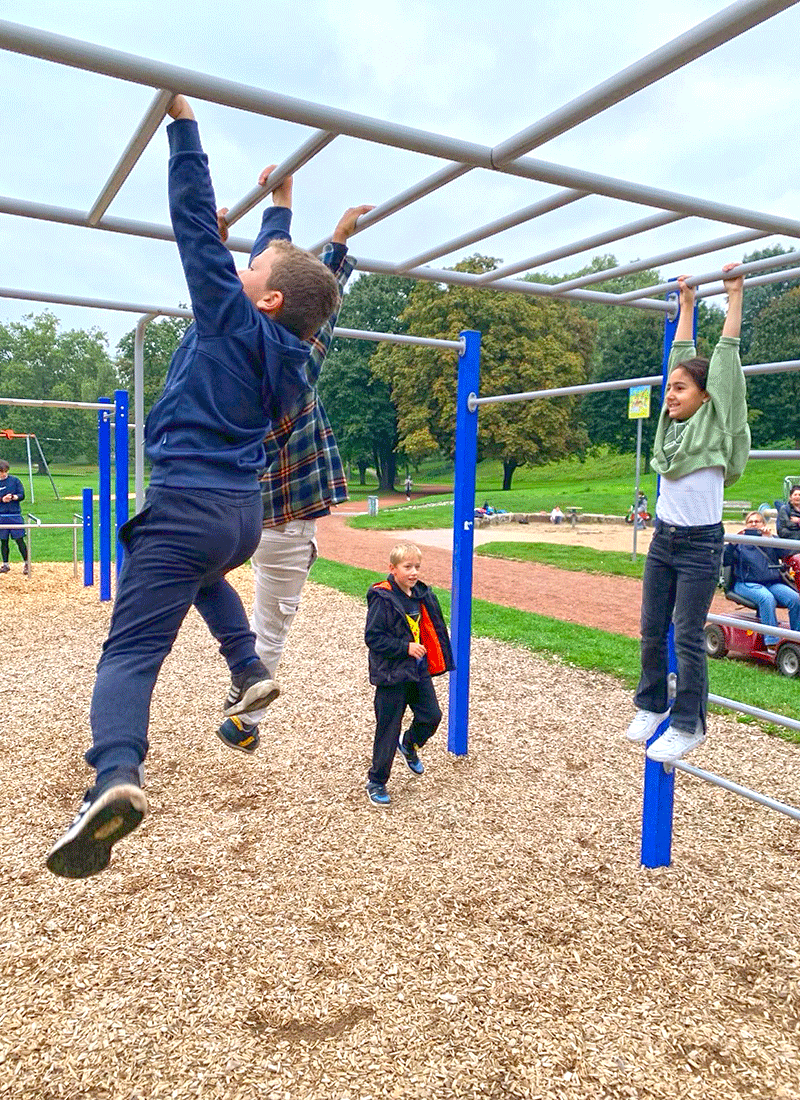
408,644
240,366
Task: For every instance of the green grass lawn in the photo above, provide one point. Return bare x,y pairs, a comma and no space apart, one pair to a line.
579,559
590,649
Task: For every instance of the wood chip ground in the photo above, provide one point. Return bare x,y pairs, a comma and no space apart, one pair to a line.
269,935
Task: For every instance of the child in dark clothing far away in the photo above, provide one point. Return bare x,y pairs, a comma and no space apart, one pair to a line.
241,365
12,491
408,644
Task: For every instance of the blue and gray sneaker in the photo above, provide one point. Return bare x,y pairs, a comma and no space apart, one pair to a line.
238,734
376,793
408,751
251,692
109,811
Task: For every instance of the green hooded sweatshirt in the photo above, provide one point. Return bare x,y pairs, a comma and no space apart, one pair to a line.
717,434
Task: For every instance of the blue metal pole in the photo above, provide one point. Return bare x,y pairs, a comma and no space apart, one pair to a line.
469,370
659,784
104,490
88,538
120,467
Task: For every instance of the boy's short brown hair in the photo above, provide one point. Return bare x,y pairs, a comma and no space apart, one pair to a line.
4,465
310,291
402,551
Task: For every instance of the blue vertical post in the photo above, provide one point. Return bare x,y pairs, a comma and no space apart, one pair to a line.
659,783
469,373
88,538
104,491
121,417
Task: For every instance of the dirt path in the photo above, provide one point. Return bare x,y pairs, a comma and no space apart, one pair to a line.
608,603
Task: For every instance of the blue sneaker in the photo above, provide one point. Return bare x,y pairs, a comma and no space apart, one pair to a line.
376,793
109,811
237,734
409,754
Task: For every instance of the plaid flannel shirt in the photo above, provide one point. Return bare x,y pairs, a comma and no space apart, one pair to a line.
304,476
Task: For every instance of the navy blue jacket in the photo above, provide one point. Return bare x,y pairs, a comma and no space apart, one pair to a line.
754,564
13,485
235,370
388,633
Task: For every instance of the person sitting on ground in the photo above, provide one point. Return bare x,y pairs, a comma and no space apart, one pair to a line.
240,367
788,526
12,491
408,644
757,575
557,516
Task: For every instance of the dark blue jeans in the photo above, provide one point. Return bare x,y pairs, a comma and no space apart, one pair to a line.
680,576
177,552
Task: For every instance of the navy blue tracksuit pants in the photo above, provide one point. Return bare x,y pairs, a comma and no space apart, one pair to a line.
177,552
391,701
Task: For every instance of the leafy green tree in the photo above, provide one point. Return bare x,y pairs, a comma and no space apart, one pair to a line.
161,338
526,344
358,403
40,362
774,399
757,298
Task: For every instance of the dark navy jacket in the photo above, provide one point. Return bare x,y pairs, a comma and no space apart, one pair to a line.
754,564
235,370
388,633
13,485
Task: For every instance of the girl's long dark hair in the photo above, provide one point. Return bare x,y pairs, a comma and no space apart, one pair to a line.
697,368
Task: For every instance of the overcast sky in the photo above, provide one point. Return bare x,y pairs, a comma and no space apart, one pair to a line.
724,128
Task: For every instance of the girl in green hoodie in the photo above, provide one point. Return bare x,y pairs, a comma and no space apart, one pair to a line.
701,446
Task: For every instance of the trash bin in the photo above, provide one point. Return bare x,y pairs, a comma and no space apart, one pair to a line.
372,506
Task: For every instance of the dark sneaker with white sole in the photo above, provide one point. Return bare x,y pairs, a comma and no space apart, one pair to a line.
237,734
409,754
251,691
377,794
109,811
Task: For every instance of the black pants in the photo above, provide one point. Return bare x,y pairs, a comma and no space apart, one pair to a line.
390,704
21,546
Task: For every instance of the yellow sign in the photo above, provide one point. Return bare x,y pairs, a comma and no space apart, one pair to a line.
638,402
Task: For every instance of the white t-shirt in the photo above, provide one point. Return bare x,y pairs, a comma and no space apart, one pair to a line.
694,500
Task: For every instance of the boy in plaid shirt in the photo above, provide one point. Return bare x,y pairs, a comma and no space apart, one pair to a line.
304,479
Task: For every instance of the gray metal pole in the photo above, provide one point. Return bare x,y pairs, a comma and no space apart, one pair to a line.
136,146
636,490
30,467
735,788
138,408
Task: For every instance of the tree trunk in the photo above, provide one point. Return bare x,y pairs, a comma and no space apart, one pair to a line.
508,472
388,470
362,471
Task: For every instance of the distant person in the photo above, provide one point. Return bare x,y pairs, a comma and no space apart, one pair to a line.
12,491
788,526
641,511
240,367
702,444
757,575
408,486
557,516
408,644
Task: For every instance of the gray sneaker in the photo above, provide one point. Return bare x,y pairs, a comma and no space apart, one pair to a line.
250,693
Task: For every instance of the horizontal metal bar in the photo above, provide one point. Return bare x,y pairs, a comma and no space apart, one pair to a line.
775,454
751,624
92,303
642,225
55,404
750,268
754,280
702,249
721,27
773,368
307,151
736,788
535,210
124,66
754,712
398,338
765,540
136,146
38,526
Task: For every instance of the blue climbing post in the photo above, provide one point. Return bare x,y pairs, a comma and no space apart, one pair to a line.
659,783
120,467
469,370
88,538
104,491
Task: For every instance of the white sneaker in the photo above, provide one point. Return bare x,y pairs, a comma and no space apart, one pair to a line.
644,725
675,744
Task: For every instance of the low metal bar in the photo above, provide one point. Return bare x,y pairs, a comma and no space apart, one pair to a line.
315,144
136,146
756,627
30,529
775,454
755,712
731,241
51,404
75,528
736,788
535,210
398,338
765,540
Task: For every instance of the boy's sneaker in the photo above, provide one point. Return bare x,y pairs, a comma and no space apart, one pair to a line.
109,812
409,754
25,570
675,744
251,691
377,794
237,734
5,568
645,725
